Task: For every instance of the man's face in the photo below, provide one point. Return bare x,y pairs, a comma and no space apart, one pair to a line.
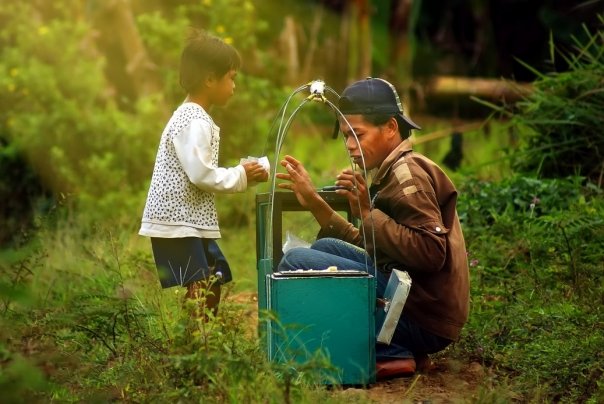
371,141
223,88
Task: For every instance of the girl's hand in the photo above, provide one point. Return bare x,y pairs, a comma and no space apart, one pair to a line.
358,195
255,172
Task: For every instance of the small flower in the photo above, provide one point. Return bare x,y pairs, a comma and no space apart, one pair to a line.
43,30
220,29
535,201
14,72
228,40
474,262
207,2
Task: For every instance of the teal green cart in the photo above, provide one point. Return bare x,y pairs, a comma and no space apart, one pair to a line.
313,312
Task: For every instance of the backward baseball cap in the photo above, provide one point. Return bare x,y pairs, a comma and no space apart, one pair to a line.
373,96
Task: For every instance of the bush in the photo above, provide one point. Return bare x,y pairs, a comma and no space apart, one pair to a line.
536,277
563,117
72,134
60,110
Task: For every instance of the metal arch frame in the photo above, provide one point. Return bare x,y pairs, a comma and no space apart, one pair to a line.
317,93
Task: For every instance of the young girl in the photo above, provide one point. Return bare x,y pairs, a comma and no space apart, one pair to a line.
180,213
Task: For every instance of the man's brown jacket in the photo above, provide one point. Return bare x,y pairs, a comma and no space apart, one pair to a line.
414,226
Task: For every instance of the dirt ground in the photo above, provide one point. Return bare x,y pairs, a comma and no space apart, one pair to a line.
448,381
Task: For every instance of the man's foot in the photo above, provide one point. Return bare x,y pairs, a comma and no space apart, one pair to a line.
395,368
423,363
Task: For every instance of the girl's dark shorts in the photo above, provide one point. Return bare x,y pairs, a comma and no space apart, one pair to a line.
181,261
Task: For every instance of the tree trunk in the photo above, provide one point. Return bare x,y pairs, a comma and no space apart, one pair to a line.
364,21
351,15
308,70
289,44
399,66
359,40
129,67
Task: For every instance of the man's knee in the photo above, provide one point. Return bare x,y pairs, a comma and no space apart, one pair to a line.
324,244
293,259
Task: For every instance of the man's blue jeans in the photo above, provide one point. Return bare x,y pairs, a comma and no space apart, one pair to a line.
409,339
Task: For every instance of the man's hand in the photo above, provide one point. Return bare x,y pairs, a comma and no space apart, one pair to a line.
307,195
255,172
299,181
358,195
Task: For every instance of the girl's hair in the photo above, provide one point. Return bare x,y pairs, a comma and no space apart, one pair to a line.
203,55
381,119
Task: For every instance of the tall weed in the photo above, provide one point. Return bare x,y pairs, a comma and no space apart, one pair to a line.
562,118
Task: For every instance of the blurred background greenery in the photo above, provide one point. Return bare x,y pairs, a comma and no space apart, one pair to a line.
88,85
509,94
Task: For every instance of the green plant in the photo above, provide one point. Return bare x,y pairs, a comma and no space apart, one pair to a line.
72,134
98,312
20,376
536,274
82,140
561,117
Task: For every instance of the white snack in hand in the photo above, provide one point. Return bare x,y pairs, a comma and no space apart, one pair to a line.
263,161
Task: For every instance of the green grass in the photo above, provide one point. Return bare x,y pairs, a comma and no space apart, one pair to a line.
486,147
93,308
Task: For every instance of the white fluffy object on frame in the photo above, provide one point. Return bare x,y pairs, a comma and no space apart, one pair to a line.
317,87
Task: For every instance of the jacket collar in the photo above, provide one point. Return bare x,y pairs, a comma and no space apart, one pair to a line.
394,156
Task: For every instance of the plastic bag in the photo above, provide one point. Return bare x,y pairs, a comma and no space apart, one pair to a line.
292,241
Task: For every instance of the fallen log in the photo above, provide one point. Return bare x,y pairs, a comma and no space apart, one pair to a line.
493,89
441,133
